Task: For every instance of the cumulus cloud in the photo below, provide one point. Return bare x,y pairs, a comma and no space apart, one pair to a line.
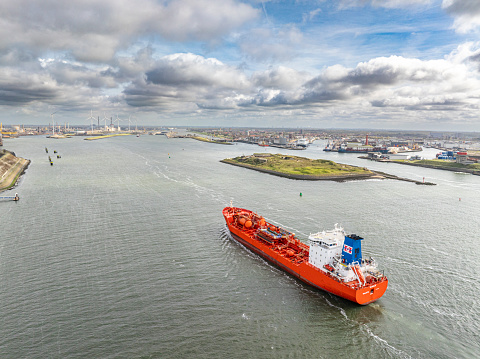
465,12
202,19
66,73
182,70
281,77
186,77
80,55
95,30
385,82
392,81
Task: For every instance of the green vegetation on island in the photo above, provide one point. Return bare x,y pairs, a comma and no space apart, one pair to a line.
300,167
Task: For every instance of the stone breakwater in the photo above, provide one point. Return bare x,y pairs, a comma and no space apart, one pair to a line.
11,168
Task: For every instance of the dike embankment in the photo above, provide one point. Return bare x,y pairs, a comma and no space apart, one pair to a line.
11,168
336,178
203,139
450,168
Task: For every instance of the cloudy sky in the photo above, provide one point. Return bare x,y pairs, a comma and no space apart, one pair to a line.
383,64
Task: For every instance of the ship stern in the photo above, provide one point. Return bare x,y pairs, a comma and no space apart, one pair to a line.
371,293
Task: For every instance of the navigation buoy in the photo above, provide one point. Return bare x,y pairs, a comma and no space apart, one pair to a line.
300,194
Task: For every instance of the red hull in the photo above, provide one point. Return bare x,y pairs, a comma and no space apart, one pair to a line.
294,259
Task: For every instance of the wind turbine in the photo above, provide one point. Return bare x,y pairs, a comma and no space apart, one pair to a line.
91,118
118,123
53,123
105,118
129,122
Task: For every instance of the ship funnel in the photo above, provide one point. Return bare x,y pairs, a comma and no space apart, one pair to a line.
352,249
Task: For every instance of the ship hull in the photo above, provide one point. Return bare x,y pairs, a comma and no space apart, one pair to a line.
308,273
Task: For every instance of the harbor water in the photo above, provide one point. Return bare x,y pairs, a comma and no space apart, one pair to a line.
120,250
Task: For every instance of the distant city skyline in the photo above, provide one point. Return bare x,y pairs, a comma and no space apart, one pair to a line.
379,64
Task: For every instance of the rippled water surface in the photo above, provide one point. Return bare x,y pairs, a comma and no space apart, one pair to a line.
119,250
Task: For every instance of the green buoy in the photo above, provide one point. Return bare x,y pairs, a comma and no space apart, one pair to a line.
300,194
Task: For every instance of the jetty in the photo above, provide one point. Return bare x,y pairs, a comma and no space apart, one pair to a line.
10,198
220,141
106,136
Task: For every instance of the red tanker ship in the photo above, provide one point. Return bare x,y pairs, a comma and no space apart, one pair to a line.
333,262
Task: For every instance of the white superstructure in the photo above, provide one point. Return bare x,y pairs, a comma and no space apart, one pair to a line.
329,252
324,246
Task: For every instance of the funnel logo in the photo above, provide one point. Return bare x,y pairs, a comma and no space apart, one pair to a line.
347,249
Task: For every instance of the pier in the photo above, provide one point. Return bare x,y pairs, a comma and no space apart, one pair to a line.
10,198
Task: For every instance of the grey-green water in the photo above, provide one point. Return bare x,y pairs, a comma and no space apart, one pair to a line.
120,250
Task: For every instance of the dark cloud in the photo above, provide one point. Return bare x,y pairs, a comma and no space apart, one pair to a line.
16,90
186,77
14,96
462,7
465,12
15,55
183,70
475,58
65,73
280,78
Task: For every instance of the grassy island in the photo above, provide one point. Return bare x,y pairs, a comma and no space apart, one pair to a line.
301,168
